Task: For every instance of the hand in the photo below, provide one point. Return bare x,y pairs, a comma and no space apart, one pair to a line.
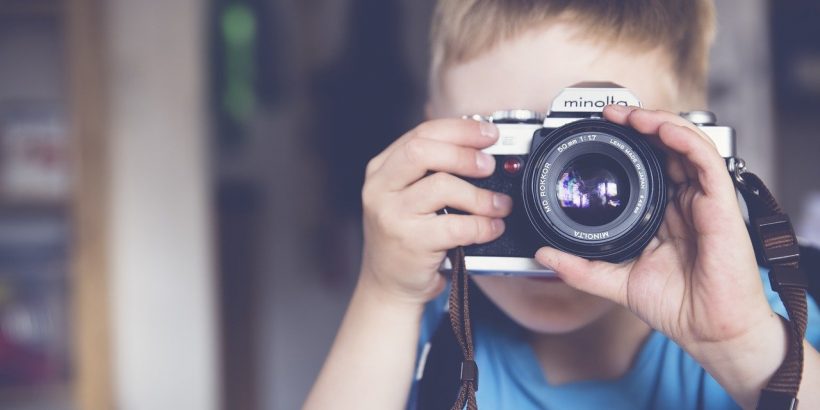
697,281
405,240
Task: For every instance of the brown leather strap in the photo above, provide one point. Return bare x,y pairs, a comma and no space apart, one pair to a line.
459,309
776,242
773,236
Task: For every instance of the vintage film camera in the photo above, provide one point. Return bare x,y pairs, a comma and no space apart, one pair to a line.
579,183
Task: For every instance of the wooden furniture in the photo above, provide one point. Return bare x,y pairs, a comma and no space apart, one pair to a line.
51,64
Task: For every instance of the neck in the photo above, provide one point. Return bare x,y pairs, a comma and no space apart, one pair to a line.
604,349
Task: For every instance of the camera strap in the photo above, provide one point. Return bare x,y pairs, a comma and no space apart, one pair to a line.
776,243
774,239
459,311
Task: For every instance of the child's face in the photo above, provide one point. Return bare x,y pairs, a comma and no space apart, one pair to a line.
527,72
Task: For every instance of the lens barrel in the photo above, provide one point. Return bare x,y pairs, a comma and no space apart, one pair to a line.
595,189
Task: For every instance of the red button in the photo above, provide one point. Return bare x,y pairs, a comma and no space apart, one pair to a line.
512,165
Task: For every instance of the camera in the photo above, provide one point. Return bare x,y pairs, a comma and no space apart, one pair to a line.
579,183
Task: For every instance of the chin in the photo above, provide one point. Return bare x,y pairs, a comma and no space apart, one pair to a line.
544,307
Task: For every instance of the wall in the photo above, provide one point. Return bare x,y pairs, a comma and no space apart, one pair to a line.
163,308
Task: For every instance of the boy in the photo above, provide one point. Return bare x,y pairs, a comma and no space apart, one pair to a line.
640,334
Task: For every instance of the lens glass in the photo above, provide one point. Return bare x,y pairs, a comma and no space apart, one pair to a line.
593,189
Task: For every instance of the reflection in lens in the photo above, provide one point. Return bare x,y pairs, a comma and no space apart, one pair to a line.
593,189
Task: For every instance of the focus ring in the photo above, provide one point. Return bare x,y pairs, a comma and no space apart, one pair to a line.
626,235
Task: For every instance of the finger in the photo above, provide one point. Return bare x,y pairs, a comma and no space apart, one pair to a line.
677,170
643,120
701,159
649,121
414,159
467,133
440,190
445,232
599,278
701,156
673,227
618,113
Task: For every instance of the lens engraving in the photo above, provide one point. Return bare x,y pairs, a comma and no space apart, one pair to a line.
600,198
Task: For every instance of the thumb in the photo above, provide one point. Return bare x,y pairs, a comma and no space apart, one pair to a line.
599,278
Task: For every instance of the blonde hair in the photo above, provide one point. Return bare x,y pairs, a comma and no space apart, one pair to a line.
684,29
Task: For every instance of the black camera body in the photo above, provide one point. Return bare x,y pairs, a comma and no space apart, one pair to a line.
579,183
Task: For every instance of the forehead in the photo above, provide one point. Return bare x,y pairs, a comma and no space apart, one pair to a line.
528,72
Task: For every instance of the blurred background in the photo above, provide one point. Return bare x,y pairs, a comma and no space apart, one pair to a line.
179,181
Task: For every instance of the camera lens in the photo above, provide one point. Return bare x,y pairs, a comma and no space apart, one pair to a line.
593,189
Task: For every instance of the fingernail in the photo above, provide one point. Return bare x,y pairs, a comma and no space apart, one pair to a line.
498,225
484,161
501,201
488,130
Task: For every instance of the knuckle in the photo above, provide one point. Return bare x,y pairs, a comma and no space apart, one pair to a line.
634,114
481,200
477,199
466,158
666,125
439,183
371,166
383,219
458,231
415,150
368,196
484,230
423,130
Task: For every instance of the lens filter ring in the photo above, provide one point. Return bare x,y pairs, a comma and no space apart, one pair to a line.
595,189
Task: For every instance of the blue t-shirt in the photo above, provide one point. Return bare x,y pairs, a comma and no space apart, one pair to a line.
662,376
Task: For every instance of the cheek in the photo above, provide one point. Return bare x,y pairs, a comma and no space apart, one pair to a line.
543,307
